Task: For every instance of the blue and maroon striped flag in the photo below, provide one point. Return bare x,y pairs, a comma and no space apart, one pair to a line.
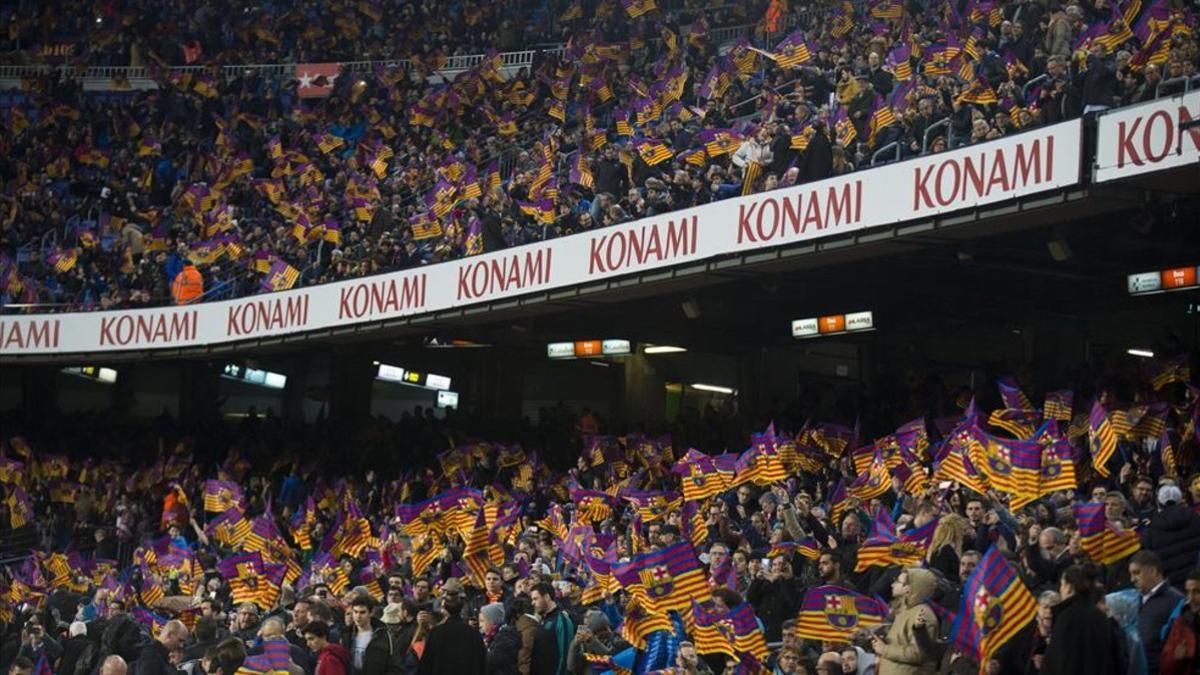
996,605
665,579
835,613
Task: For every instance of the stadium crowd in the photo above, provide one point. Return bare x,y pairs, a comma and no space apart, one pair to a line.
225,182
1004,538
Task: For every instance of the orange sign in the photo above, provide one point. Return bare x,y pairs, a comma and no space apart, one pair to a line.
833,324
588,348
1180,277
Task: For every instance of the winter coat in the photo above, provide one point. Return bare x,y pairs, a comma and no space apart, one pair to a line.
502,652
1174,534
902,655
1082,641
453,648
1152,617
333,659
551,643
527,627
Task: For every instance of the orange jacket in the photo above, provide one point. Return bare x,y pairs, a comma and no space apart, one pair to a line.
188,285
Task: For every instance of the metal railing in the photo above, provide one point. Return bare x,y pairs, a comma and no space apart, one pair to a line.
893,147
268,70
1187,81
1030,84
944,122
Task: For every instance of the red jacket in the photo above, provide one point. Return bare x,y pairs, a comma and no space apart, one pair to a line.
333,659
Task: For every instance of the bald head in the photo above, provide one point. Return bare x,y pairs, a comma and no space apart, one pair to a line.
113,665
173,635
272,627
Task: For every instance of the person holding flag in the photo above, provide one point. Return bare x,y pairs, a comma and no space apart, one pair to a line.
899,652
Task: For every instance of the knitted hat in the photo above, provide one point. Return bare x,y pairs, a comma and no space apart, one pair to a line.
493,613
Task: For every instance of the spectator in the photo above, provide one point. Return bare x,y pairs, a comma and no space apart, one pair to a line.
1082,640
502,641
899,652
113,665
554,636
188,285
332,658
453,647
1159,599
1174,534
1179,654
155,658
386,651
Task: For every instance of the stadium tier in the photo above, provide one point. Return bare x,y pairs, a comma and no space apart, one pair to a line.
263,179
600,337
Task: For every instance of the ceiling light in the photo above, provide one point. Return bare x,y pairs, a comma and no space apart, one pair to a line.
713,388
663,349
1144,353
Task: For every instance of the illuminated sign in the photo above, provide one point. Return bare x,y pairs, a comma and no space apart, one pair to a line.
1173,279
447,399
434,381
390,373
833,324
561,350
586,349
615,347
260,378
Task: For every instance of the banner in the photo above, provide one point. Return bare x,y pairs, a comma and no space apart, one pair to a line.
1148,137
316,80
1035,161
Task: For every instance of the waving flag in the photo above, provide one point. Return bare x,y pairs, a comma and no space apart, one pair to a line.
665,579
1104,541
996,605
747,637
1102,440
639,623
835,613
222,495
884,548
1057,405
230,528
252,580
794,50
700,477
713,633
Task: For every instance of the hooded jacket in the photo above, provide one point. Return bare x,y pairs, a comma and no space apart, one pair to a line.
333,659
902,655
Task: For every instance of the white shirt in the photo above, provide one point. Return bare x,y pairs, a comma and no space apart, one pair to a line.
361,640
1146,596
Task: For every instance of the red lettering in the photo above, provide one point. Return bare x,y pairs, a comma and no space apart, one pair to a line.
634,247
247,319
127,330
29,334
1168,136
389,296
745,213
1125,146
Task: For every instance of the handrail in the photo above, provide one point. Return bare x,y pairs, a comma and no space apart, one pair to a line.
1185,79
894,145
759,95
944,122
453,63
1025,89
